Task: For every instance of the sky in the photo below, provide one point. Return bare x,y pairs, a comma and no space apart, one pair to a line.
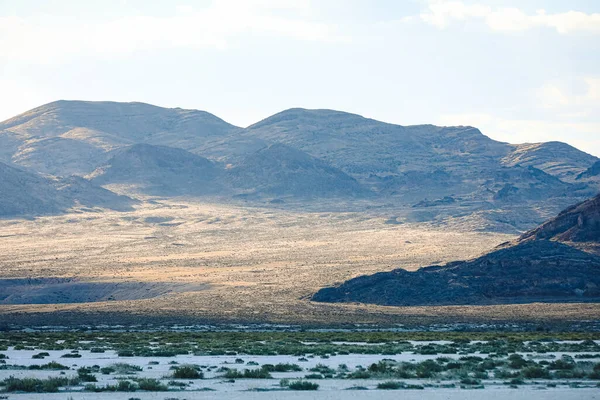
519,70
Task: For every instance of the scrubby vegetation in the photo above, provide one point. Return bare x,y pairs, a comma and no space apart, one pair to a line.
187,372
299,385
34,385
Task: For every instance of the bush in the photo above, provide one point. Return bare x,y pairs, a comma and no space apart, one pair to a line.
390,385
151,385
428,369
313,376
282,367
71,355
126,386
303,385
33,385
187,372
107,370
516,361
53,366
535,372
258,373
124,368
562,364
96,350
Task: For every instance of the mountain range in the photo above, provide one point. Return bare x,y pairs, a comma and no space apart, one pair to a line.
299,153
545,264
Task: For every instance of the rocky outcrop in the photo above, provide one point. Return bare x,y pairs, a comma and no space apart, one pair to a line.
534,271
579,223
537,267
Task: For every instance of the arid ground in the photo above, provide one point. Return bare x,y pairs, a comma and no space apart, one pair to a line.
227,263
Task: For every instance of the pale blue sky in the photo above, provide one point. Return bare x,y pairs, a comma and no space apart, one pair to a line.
521,71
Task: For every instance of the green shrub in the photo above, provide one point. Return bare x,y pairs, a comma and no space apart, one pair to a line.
390,385
151,385
516,361
96,350
34,385
313,376
53,366
303,385
187,372
282,367
125,369
258,373
126,386
71,355
107,370
535,372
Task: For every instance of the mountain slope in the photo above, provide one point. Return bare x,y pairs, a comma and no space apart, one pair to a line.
579,223
531,269
25,193
423,161
160,170
279,170
556,158
104,126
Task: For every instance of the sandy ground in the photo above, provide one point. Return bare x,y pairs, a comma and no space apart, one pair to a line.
253,264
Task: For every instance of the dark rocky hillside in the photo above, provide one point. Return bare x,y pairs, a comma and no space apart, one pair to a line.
537,267
579,223
535,271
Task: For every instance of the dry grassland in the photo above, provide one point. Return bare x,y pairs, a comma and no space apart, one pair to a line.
252,264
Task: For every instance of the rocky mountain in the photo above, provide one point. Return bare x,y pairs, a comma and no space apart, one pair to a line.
425,161
556,158
579,223
399,165
161,170
537,267
66,137
27,194
280,170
